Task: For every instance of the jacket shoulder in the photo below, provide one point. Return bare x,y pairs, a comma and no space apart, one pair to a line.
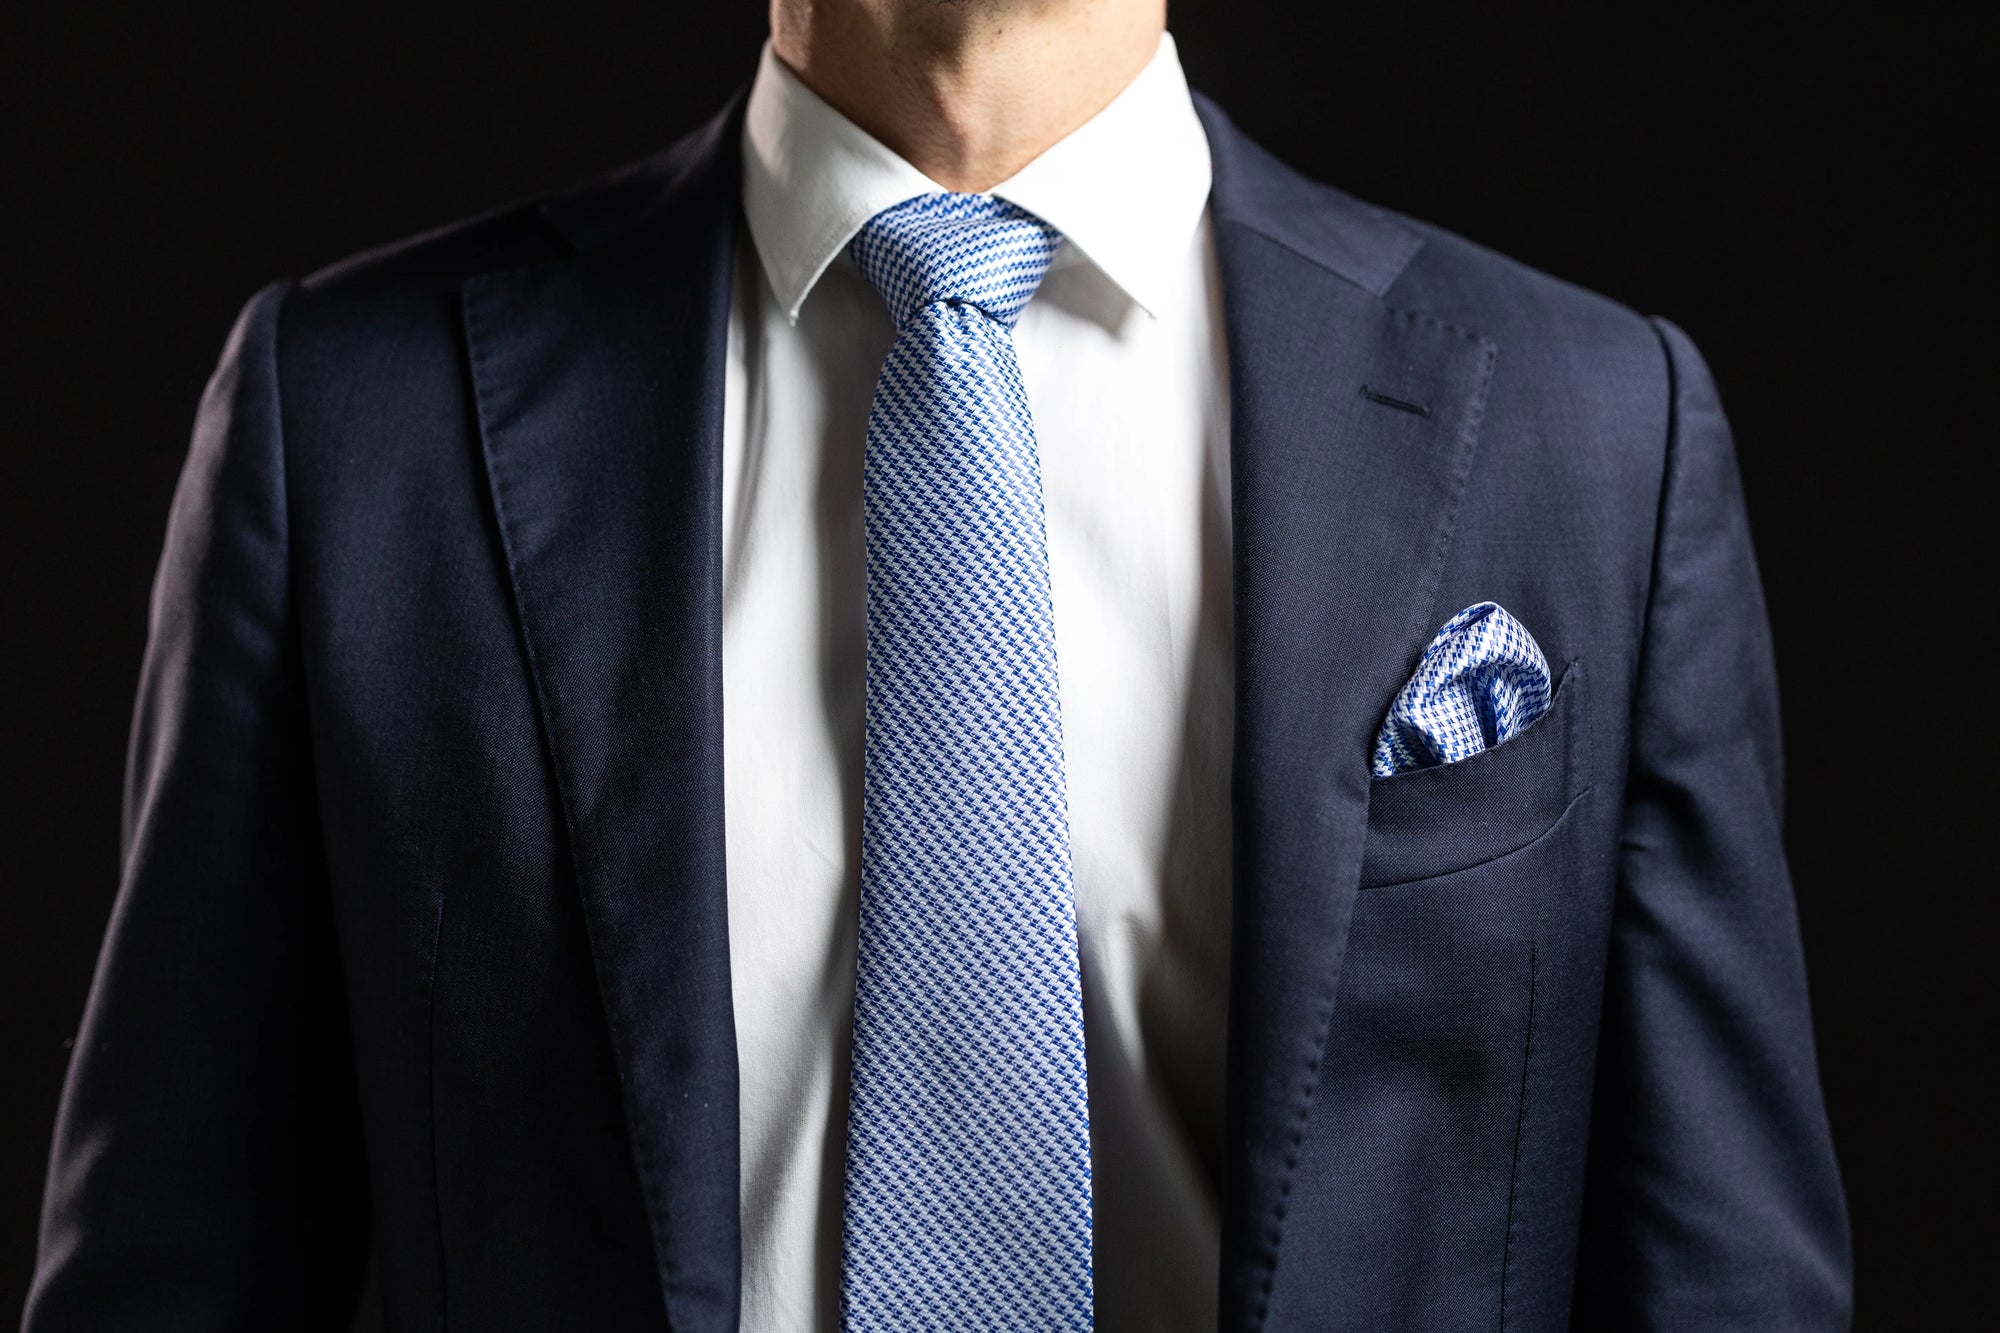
1416,266
437,259
408,284
1521,307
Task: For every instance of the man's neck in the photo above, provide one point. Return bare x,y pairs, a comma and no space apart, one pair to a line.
970,91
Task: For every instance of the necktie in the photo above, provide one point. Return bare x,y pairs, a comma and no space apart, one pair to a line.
968,1140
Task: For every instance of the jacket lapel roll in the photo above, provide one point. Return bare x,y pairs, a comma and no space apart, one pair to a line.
1353,430
599,380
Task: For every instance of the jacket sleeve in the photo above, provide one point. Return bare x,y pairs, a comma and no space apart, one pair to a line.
1712,1198
206,1169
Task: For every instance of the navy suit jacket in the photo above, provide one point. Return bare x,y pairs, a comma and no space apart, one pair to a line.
420,948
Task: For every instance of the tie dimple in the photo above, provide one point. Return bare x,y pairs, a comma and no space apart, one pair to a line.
967,249
968,1155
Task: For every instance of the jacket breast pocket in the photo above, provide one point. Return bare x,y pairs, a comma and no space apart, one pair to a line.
1435,821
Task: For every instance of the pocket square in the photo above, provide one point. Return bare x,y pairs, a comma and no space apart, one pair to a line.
1481,680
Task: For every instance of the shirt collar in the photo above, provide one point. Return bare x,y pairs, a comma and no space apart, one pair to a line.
1126,188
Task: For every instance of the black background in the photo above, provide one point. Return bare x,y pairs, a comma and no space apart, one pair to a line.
1804,201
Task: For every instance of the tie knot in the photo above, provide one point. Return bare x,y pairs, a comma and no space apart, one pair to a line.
969,248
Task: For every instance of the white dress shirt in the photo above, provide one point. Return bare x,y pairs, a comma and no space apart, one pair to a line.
1122,354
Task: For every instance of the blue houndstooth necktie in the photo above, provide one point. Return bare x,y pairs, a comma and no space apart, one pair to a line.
1481,681
968,1136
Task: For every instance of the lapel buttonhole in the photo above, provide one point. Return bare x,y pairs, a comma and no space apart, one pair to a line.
1400,404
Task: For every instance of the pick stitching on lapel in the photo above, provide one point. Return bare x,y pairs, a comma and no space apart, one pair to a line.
1343,511
599,380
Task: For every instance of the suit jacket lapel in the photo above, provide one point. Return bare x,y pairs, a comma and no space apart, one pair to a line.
1343,506
599,381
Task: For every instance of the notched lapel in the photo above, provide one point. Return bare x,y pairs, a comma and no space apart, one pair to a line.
1343,508
599,380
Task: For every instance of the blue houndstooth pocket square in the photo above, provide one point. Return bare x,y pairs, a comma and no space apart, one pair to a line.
1482,680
